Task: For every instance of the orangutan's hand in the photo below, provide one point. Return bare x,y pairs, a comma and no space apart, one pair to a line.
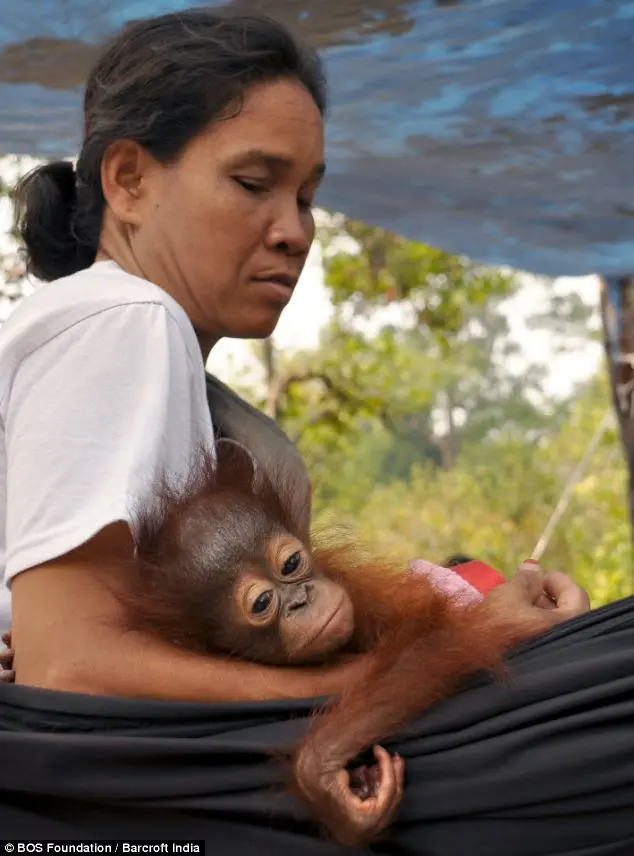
357,807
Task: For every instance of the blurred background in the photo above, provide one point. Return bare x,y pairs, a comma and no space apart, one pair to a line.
463,328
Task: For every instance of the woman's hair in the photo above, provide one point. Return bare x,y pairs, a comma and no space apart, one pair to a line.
456,559
160,83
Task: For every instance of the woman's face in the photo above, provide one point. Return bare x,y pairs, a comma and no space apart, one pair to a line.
227,228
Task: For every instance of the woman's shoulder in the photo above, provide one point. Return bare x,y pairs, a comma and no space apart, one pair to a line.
94,293
98,288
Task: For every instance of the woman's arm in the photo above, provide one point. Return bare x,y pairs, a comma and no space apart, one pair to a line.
67,634
67,637
95,417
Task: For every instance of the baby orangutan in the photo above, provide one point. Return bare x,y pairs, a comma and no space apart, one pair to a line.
223,567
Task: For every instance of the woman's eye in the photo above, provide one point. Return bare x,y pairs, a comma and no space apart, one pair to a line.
305,204
291,564
251,186
262,603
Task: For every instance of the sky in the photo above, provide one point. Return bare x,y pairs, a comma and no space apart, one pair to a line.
310,309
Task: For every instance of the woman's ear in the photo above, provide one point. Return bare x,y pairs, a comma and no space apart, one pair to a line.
127,170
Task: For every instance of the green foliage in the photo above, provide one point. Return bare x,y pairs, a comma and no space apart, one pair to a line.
415,386
496,502
440,288
12,269
443,352
421,437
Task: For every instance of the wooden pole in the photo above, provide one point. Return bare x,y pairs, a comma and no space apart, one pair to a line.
617,313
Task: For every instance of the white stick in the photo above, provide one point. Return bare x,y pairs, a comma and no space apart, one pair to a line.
574,477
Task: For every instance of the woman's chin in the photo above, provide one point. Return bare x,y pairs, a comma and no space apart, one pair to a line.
258,324
261,328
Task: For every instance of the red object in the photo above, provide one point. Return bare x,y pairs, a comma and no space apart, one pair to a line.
482,577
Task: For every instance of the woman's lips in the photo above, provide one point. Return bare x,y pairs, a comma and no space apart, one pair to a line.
280,289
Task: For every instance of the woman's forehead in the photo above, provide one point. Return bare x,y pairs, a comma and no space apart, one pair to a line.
278,126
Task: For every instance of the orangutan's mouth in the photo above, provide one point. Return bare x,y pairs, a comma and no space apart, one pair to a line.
333,615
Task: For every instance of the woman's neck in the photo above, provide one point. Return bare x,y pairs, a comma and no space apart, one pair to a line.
206,341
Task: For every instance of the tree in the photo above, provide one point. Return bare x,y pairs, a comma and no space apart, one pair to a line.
496,502
424,440
419,347
13,283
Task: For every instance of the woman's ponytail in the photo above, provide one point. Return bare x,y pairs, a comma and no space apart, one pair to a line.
46,213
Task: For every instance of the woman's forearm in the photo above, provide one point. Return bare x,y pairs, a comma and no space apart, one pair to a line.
139,666
68,636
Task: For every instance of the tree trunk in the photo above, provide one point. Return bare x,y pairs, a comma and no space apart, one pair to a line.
449,442
270,368
617,313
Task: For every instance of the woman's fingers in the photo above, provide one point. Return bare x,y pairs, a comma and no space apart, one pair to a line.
7,673
558,591
543,601
554,595
530,581
568,596
522,590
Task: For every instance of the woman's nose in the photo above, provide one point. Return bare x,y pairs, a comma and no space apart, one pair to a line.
292,232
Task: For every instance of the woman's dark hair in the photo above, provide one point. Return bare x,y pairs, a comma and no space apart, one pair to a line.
160,83
456,559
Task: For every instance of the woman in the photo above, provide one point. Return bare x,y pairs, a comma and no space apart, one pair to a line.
187,219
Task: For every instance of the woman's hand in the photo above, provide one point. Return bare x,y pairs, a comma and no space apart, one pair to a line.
554,596
7,675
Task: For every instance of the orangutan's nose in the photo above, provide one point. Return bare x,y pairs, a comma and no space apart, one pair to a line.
300,597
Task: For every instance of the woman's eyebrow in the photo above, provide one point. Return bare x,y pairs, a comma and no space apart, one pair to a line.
274,161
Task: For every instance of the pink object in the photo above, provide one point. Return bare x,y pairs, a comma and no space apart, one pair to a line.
447,580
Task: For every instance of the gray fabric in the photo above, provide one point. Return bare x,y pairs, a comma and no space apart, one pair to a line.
236,419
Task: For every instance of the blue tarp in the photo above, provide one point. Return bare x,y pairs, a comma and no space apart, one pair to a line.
503,129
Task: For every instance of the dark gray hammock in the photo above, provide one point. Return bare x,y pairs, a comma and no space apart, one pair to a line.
541,766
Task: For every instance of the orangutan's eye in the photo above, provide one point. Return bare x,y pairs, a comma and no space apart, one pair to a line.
262,603
291,564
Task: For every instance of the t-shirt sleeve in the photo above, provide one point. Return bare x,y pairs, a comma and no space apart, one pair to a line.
94,417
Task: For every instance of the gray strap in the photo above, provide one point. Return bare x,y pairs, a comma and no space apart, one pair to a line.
236,419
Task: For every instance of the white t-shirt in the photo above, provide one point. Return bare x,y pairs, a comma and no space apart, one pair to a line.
102,391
